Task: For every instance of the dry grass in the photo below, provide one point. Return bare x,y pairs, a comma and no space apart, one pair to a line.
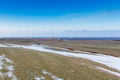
30,63
103,47
107,47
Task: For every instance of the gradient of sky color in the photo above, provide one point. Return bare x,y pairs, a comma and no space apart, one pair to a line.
36,17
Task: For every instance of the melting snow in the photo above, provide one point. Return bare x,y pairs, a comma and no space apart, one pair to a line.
110,61
51,75
109,71
9,68
39,78
44,72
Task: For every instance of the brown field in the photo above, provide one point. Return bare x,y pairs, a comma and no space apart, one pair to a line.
30,63
108,47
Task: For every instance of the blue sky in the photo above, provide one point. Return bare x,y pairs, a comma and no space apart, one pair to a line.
45,17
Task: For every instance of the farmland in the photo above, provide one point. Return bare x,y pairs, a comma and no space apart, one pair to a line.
30,64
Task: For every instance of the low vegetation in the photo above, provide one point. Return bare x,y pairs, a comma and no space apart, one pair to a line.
108,47
29,64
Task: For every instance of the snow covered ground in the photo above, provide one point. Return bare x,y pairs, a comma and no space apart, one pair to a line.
110,61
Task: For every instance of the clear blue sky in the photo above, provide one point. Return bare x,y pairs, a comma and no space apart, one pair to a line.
34,17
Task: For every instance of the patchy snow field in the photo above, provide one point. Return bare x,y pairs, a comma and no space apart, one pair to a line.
44,72
6,64
110,61
108,71
51,75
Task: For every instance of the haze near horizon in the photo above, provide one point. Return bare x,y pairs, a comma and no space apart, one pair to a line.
64,18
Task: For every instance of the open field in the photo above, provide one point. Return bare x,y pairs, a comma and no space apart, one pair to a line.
30,65
108,47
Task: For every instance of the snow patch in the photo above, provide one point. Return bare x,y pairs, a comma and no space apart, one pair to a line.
110,61
44,72
51,75
39,78
9,68
109,71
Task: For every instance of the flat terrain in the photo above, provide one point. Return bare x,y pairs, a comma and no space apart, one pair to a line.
30,64
27,64
108,47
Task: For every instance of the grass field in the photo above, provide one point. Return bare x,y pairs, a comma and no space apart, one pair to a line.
26,64
108,47
29,64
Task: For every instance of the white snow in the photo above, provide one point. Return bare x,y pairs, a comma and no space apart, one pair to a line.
39,78
8,60
44,72
51,75
110,61
109,71
10,68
